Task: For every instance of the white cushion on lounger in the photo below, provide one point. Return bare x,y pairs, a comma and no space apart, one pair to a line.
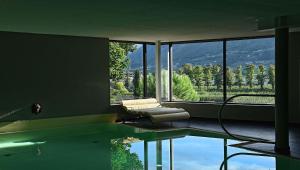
169,117
151,108
160,110
139,101
140,104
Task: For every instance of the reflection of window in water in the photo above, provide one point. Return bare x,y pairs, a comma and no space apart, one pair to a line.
183,152
122,158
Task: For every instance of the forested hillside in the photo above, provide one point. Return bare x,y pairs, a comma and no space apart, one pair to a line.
240,52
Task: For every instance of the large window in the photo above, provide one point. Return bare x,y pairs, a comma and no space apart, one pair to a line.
198,74
126,71
195,72
251,69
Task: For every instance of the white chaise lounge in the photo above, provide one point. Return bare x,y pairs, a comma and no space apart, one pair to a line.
152,109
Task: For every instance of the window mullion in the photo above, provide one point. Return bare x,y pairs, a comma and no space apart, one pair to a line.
224,70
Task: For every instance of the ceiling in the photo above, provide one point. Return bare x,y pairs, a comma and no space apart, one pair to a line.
145,20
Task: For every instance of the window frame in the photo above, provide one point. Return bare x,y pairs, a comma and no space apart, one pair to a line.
224,64
144,58
170,56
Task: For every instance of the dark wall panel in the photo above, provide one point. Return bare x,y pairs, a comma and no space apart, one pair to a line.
67,75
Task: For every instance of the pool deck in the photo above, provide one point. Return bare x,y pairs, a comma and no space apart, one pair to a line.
263,130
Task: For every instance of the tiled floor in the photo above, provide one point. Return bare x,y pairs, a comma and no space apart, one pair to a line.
263,130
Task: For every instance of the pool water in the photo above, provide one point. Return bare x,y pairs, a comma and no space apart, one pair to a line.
121,147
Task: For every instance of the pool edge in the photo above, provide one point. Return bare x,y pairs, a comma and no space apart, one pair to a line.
27,125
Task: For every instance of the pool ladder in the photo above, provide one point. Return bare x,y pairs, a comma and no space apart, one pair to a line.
242,138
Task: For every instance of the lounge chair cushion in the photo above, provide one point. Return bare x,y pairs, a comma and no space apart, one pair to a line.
140,104
169,117
159,110
151,108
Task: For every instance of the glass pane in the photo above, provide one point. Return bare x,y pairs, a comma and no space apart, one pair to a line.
251,69
164,73
151,87
126,71
198,74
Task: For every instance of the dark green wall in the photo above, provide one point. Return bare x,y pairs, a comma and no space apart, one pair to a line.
233,111
294,77
67,75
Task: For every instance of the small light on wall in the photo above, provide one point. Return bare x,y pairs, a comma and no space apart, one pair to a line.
36,108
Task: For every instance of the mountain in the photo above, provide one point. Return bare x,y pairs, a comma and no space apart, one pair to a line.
239,52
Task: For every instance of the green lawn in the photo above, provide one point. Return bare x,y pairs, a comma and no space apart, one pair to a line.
212,94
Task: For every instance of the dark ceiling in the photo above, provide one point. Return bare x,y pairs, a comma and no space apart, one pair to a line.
145,20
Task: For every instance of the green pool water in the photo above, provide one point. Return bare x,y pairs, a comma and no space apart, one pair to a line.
117,147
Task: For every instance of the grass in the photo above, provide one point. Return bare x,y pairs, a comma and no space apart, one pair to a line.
212,94
215,95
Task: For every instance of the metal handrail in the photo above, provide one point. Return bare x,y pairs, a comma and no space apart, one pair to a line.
250,139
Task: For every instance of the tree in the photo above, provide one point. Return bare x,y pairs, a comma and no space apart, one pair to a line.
271,76
117,90
229,77
198,76
187,69
217,75
151,87
128,47
261,77
207,76
127,81
239,76
118,61
183,88
250,69
137,84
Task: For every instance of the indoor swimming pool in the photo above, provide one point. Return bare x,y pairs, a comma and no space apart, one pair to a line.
109,146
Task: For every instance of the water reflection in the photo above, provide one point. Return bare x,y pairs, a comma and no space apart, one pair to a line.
126,148
193,152
224,164
122,158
